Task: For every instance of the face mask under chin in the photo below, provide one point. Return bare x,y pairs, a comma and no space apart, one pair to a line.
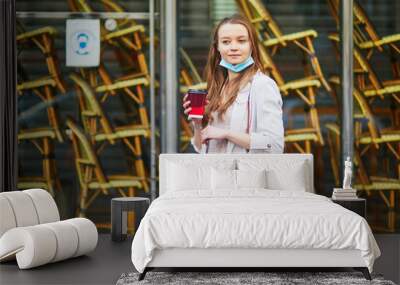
237,67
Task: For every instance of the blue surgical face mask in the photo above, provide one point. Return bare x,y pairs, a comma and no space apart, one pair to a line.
237,67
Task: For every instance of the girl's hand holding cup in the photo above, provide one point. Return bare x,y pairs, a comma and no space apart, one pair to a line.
194,103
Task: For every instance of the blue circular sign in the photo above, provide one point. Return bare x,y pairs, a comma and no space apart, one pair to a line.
83,42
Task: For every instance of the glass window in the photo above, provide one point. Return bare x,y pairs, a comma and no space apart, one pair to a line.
84,131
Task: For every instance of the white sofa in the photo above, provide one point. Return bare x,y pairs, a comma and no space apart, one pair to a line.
293,172
31,230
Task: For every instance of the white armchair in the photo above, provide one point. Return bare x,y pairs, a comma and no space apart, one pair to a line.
31,230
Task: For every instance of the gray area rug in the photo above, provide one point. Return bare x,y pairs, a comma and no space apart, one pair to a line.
230,278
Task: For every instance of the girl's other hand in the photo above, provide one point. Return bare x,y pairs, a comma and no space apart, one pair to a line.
211,132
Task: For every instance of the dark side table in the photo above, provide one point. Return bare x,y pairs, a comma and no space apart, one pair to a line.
119,209
358,205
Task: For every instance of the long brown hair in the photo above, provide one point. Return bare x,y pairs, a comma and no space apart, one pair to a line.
217,76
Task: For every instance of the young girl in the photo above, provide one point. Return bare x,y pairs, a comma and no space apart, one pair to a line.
244,106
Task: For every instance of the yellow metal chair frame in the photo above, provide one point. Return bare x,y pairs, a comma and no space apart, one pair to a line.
42,138
369,84
83,6
367,80
92,179
273,38
375,137
43,88
304,89
43,39
366,37
133,60
98,127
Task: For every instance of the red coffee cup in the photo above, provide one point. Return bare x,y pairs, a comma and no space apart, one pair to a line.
197,100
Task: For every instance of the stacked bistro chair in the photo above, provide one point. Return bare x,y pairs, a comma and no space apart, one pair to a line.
189,79
306,89
366,42
127,42
367,38
92,178
369,136
367,79
43,38
273,38
43,137
100,130
31,231
374,137
133,89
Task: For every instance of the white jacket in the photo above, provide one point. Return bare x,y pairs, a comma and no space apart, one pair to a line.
266,123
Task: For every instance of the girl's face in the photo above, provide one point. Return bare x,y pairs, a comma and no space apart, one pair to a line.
234,43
